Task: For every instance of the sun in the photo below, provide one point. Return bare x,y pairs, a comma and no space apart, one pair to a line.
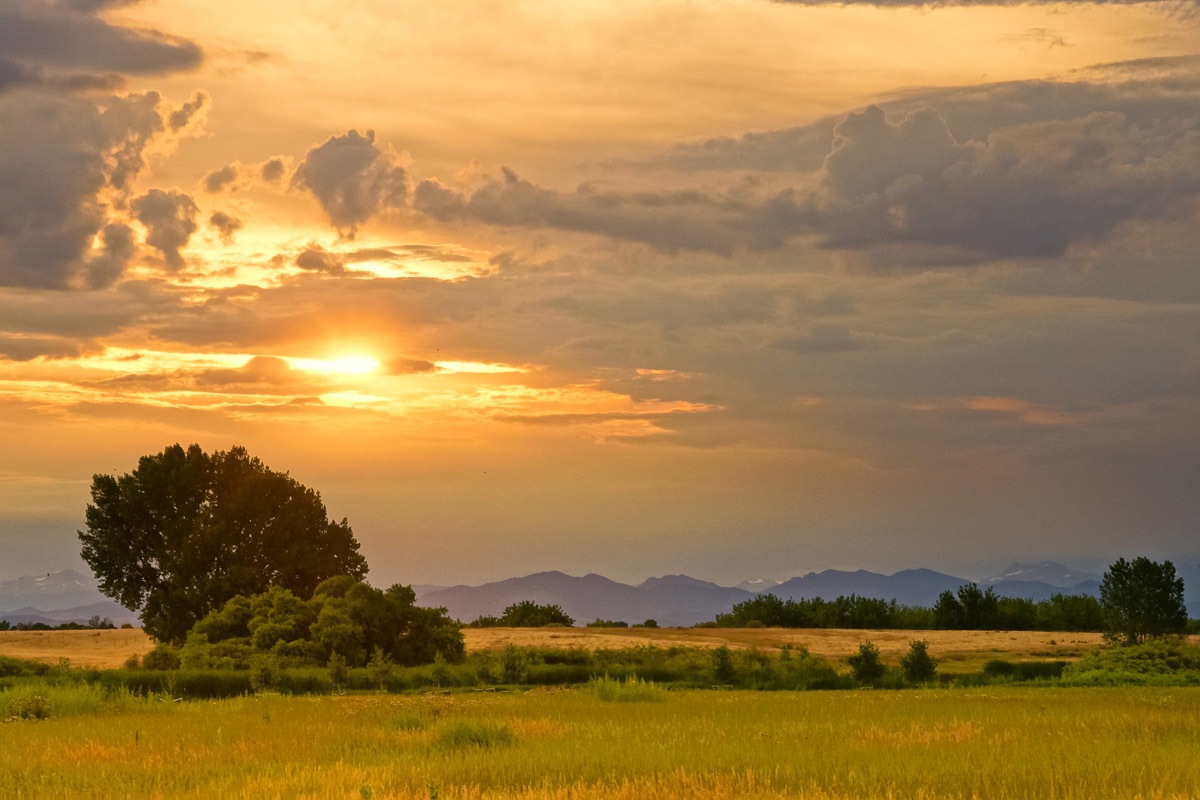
343,365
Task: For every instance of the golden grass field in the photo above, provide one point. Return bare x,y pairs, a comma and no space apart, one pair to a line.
957,650
997,743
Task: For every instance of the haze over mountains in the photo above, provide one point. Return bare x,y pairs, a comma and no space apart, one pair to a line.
670,600
679,600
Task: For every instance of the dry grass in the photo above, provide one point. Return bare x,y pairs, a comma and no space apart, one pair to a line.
106,649
957,650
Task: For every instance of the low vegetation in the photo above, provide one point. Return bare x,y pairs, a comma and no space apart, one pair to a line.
544,744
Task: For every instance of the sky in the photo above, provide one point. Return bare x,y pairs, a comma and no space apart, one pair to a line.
731,288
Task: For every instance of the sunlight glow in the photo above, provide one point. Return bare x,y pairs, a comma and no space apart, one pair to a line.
347,365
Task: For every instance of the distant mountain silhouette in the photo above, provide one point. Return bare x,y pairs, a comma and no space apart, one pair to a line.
64,589
670,600
680,600
109,609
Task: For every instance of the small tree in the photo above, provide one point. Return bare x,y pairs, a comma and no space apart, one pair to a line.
918,665
381,669
1142,599
865,665
722,666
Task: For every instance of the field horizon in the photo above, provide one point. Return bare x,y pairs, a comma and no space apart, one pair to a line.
957,650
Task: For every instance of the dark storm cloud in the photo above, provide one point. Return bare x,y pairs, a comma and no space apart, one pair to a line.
352,179
170,220
71,36
681,220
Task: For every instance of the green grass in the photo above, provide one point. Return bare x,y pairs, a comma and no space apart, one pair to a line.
1001,743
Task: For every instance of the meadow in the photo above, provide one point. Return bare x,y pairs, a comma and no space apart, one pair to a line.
996,743
958,651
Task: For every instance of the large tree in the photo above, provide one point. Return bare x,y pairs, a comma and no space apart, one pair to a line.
1142,599
187,531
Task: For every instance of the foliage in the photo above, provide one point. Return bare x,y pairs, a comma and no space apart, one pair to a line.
29,705
1023,670
526,614
917,665
608,623
345,618
723,670
1142,599
187,531
1164,661
21,667
844,612
969,609
866,666
473,734
630,690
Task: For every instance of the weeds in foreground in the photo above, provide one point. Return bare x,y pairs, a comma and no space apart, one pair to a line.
630,690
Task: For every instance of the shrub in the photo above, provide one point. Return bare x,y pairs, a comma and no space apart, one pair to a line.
29,705
917,664
163,656
865,666
631,690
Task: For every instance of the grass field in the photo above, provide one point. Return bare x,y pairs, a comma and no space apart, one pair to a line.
958,651
1002,743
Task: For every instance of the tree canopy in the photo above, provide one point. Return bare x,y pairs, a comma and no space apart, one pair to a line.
1142,599
526,614
187,531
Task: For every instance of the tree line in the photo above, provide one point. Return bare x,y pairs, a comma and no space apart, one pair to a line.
1139,600
970,608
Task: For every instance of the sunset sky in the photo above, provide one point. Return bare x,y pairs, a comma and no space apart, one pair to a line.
735,288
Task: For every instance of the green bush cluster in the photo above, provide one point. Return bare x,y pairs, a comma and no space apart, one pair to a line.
345,619
526,614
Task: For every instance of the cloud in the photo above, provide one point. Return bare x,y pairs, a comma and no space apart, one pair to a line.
237,176
1183,5
58,156
273,169
70,37
352,179
1028,191
317,259
679,220
220,179
170,219
226,225
408,366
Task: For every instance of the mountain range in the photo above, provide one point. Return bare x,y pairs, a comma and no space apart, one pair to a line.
679,600
670,600
57,597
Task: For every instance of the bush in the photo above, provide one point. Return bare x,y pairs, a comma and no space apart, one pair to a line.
631,690
918,666
163,656
865,666
29,705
